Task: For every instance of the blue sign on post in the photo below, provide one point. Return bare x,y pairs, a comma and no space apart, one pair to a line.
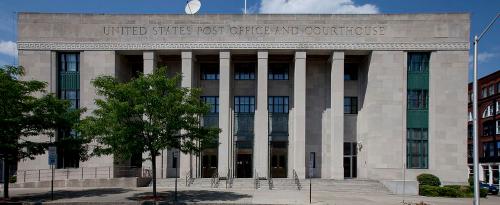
52,155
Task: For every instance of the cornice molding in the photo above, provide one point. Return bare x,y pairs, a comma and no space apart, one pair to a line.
25,45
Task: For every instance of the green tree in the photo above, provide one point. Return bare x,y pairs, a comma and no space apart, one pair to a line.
146,114
27,110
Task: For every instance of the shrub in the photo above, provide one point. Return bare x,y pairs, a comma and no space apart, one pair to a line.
449,192
483,192
426,190
428,179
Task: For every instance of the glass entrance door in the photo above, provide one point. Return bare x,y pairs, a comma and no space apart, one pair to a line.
279,162
350,160
244,163
208,163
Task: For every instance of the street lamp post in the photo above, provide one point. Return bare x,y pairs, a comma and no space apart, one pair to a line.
475,139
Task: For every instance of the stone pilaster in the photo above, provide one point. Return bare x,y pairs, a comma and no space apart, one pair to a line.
187,161
299,122
337,115
150,60
225,156
261,117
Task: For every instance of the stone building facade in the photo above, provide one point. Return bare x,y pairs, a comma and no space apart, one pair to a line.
378,97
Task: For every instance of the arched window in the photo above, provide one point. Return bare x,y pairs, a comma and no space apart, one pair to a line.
488,112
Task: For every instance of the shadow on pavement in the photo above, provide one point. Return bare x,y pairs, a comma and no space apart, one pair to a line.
191,196
68,194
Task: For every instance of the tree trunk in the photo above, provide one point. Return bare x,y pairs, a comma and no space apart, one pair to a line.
6,169
153,166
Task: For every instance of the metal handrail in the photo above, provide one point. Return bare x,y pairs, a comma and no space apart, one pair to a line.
189,179
270,182
214,182
229,179
256,180
296,180
101,172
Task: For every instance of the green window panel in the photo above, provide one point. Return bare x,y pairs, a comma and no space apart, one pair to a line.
417,114
69,80
417,119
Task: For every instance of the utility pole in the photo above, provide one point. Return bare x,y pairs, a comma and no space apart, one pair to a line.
475,134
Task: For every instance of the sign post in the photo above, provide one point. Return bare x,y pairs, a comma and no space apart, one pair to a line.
52,163
311,171
176,175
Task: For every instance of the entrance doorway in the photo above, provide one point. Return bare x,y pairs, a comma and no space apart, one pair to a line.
279,161
209,163
244,163
350,160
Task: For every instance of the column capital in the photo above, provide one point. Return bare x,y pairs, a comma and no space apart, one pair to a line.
186,54
224,55
148,55
300,54
337,55
263,54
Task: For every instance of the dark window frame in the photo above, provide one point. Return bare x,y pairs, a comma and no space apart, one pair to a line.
244,71
209,71
244,104
350,105
278,71
420,138
213,101
278,104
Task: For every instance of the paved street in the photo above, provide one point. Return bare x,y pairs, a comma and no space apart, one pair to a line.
213,196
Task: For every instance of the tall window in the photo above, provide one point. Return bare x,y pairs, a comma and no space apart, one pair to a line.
488,111
417,148
418,62
209,71
488,128
278,71
244,104
491,90
244,71
484,92
213,101
278,104
68,89
417,118
498,127
350,105
417,99
350,71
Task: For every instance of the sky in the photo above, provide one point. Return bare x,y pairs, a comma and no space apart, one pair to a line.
481,11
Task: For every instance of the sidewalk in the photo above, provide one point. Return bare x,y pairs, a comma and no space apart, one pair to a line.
90,196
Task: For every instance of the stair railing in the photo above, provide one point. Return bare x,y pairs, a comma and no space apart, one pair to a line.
256,180
229,179
296,180
214,182
270,182
189,179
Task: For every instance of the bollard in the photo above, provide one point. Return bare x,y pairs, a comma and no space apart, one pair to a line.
67,173
95,173
109,172
82,172
24,176
38,175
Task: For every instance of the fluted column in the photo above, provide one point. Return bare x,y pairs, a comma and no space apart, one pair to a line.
261,117
299,122
337,115
224,158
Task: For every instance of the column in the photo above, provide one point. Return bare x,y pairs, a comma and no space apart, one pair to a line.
337,115
225,156
149,64
150,59
490,174
261,117
299,122
186,164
